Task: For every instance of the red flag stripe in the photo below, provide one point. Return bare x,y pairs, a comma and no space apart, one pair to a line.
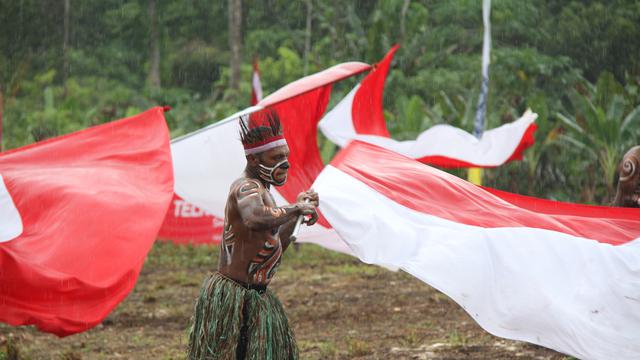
440,194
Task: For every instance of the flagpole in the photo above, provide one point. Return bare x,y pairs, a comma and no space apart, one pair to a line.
475,174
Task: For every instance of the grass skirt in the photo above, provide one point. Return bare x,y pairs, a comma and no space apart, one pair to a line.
233,322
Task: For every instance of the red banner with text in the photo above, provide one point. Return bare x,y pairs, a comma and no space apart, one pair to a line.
186,223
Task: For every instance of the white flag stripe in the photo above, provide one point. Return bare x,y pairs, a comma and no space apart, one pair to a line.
206,164
577,296
10,220
337,125
494,148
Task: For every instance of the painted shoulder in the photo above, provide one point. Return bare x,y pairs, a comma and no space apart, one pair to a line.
246,187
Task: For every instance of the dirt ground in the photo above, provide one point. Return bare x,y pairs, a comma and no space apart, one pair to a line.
339,307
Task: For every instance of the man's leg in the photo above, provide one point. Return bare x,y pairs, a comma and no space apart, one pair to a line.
241,350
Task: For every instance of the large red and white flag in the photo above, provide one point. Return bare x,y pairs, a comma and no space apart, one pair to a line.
207,161
78,214
360,116
565,276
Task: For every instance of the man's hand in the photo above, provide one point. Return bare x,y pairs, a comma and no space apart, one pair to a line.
309,195
307,202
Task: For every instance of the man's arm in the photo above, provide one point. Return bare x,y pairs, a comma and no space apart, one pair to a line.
285,233
258,216
308,197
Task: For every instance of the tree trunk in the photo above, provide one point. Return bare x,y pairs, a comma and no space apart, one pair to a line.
65,46
235,42
307,39
154,48
403,15
333,29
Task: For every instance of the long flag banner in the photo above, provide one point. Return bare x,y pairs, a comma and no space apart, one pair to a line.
207,161
360,116
78,214
565,276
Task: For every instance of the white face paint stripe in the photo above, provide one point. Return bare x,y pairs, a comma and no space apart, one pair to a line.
10,220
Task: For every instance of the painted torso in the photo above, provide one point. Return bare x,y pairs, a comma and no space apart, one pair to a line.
246,255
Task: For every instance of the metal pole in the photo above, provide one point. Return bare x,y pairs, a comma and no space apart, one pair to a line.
475,174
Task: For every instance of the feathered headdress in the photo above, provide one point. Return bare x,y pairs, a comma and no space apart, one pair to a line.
261,131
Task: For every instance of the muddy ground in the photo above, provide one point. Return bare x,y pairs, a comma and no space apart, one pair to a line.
339,308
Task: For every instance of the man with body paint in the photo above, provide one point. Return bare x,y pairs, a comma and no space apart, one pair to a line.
236,316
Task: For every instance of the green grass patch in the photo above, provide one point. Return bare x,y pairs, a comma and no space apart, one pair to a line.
456,339
169,255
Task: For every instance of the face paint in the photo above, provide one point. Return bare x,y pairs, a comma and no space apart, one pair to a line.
266,173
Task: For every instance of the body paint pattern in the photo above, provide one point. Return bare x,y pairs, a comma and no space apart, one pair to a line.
275,212
263,266
227,243
244,190
248,188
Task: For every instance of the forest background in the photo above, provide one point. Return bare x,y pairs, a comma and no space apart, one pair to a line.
66,65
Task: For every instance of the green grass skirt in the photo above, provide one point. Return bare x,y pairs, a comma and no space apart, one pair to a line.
229,318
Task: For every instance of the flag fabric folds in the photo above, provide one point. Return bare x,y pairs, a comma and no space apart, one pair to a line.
85,210
360,116
565,276
207,161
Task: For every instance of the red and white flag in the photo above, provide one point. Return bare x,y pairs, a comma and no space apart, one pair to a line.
360,116
78,214
565,276
207,161
256,86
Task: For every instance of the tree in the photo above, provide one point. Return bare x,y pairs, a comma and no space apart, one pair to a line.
602,126
154,47
307,37
65,45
